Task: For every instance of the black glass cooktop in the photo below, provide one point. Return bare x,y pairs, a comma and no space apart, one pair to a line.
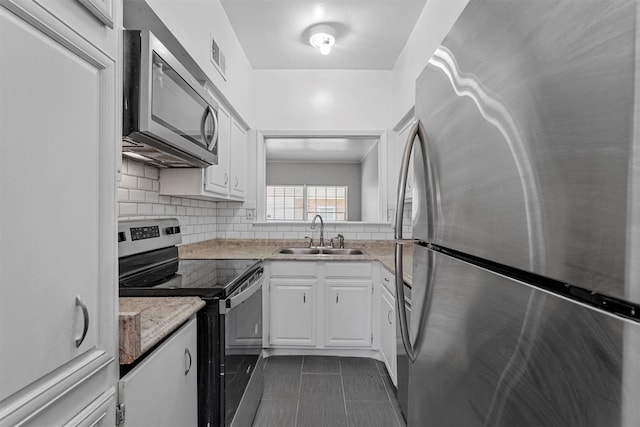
190,277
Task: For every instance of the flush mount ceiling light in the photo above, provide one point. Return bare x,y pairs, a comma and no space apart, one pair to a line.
323,37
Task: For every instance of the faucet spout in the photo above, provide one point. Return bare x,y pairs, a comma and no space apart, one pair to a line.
313,226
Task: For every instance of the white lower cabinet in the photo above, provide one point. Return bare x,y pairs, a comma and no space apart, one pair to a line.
319,304
293,312
163,389
348,313
387,317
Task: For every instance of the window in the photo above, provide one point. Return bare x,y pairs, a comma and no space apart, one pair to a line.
303,202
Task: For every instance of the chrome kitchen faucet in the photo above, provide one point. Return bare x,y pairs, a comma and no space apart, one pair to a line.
313,227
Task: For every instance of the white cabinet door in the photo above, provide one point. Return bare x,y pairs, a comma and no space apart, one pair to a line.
58,150
292,312
217,177
163,389
238,168
348,313
387,315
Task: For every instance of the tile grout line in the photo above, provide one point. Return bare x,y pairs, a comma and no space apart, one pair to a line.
344,395
295,423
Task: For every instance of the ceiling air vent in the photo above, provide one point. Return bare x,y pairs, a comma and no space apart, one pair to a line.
218,59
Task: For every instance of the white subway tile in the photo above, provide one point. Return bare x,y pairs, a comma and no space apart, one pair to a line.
233,235
165,200
136,195
155,185
128,209
136,169
152,197
276,235
123,194
181,210
158,209
170,210
176,201
145,208
145,184
151,172
129,181
190,211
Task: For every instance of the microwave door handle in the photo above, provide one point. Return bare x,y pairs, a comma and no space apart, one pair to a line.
210,142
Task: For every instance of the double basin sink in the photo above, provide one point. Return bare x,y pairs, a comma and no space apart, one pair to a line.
320,251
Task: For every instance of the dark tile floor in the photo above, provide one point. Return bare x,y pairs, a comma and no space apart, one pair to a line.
327,391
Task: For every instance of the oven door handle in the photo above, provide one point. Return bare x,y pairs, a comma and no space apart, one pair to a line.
230,303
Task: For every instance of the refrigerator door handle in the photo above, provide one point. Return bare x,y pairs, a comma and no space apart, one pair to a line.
416,131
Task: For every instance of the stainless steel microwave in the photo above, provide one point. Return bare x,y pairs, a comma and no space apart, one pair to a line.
169,120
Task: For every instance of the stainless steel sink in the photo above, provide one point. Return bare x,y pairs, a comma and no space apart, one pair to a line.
320,251
342,251
299,251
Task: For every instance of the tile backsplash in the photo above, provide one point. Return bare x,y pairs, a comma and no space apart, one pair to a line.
139,197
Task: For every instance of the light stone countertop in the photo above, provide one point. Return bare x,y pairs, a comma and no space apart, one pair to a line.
145,321
375,250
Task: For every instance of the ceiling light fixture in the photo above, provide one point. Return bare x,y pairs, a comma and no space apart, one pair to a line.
323,37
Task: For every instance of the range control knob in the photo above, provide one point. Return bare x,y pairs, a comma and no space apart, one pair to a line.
173,230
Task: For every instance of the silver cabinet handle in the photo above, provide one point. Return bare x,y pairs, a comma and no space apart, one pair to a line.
304,298
226,178
85,315
386,279
187,353
389,316
337,299
236,185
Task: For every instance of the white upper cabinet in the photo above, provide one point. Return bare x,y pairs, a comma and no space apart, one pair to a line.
58,289
238,169
217,176
224,181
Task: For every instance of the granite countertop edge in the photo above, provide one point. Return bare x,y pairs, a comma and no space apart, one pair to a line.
375,250
159,318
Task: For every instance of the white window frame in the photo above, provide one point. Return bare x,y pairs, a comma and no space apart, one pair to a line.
323,210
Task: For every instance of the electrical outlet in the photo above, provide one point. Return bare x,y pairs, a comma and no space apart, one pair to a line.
251,214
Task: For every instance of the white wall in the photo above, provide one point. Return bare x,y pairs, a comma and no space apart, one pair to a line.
193,22
435,21
321,99
370,182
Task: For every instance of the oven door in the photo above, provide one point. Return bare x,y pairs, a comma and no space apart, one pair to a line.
244,364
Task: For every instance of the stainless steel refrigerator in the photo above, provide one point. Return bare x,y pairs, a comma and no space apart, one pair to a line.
525,298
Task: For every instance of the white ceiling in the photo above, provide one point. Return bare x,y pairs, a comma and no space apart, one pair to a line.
335,150
369,33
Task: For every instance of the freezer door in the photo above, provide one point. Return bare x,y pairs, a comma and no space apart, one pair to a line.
528,109
496,352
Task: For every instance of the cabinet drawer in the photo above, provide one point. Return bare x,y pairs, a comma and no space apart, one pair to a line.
348,269
294,268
